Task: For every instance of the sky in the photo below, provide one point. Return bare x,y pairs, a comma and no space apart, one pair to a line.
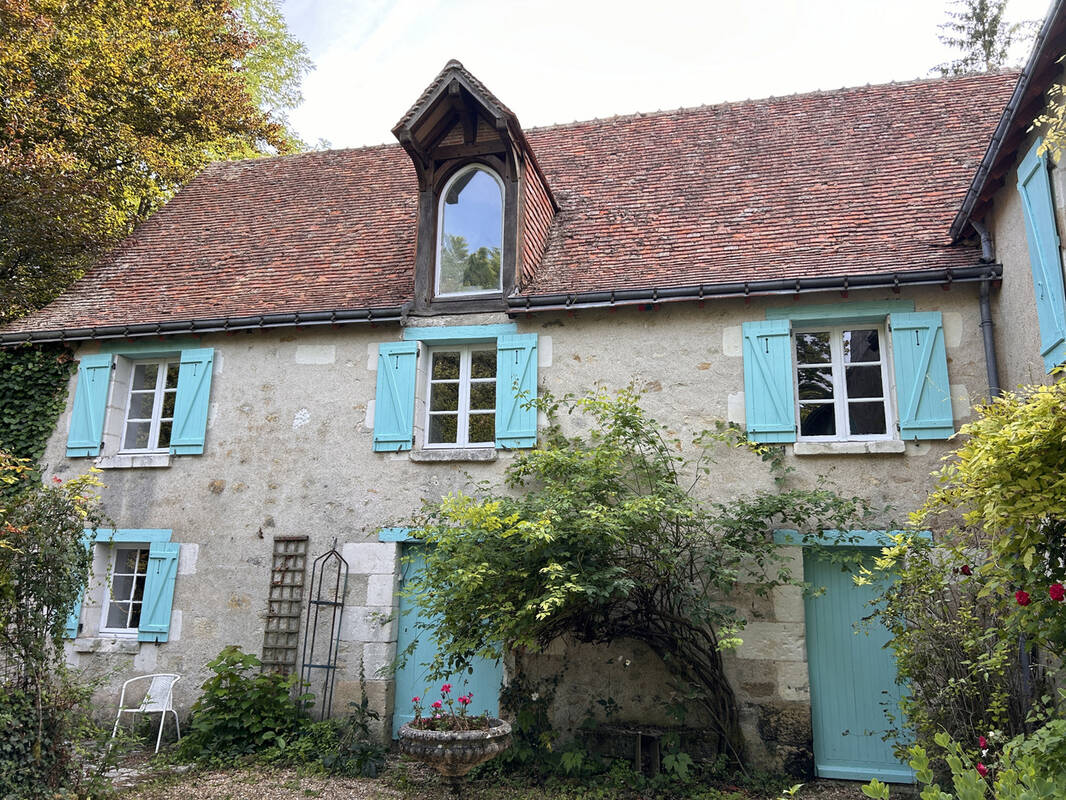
556,61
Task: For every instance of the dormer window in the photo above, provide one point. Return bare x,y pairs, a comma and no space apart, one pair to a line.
470,234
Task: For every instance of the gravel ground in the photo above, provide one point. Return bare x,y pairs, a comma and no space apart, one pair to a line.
405,782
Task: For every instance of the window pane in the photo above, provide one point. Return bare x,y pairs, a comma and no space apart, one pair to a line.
483,364
122,587
137,435
135,615
168,404
471,234
446,366
442,428
812,348
117,615
444,397
144,376
141,405
142,560
483,396
483,427
138,588
861,345
864,381
818,420
172,375
164,433
866,419
815,384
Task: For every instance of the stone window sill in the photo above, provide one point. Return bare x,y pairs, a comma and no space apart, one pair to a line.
107,644
134,461
443,454
848,448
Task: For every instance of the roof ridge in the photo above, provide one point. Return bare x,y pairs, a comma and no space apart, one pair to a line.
775,98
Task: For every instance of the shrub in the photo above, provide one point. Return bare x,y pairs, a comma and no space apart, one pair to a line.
242,711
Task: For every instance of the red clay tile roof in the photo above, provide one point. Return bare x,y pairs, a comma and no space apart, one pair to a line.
855,181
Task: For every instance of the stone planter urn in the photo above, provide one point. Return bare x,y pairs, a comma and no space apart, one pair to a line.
455,753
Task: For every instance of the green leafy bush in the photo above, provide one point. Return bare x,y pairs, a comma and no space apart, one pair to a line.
242,711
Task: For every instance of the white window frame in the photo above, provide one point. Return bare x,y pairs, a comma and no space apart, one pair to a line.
440,232
108,593
840,398
462,434
157,418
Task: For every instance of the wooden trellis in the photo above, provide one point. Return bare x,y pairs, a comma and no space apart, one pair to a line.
287,575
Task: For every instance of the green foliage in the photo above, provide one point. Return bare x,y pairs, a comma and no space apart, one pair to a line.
961,671
242,712
43,567
358,752
979,30
604,537
33,391
109,107
1031,768
1008,479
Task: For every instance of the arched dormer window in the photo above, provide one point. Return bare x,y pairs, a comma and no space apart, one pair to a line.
470,234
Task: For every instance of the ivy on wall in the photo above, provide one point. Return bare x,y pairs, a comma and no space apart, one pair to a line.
33,392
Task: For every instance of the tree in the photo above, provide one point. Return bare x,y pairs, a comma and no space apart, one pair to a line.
605,538
109,107
977,28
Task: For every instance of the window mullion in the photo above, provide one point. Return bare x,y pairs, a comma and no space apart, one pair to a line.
840,398
462,435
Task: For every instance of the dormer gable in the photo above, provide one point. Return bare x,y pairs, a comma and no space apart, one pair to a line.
485,209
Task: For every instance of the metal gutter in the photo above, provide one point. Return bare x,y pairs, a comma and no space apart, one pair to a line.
706,291
212,325
1006,122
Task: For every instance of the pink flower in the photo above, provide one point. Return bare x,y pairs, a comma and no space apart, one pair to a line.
1057,592
1022,597
446,688
437,704
464,700
965,569
414,699
56,479
982,770
982,742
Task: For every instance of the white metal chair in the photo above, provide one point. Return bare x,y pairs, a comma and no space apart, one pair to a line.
159,697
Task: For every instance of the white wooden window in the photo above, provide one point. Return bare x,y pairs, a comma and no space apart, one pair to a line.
461,397
125,590
842,384
150,406
470,234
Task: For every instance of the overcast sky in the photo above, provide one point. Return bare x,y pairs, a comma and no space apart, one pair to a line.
562,60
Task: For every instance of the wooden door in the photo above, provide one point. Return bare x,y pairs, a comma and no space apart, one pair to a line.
484,678
852,678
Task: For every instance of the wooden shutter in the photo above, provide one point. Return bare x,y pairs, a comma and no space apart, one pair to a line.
769,402
158,591
191,400
923,393
394,407
90,404
1045,257
70,630
516,386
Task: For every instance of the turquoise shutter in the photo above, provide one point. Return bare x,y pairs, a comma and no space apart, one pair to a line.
516,386
1045,257
90,403
70,630
769,402
394,407
190,402
923,393
158,591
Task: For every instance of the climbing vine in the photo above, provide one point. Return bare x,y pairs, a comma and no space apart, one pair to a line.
33,391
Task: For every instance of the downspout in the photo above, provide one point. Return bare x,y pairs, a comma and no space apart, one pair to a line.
988,255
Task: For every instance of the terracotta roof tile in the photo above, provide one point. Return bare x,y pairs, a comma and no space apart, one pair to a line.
855,181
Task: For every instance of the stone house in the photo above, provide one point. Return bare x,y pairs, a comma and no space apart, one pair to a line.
298,350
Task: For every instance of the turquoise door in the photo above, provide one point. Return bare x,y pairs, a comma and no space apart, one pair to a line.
852,679
484,679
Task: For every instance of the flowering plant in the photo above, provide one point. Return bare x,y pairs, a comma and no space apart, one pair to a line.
450,719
